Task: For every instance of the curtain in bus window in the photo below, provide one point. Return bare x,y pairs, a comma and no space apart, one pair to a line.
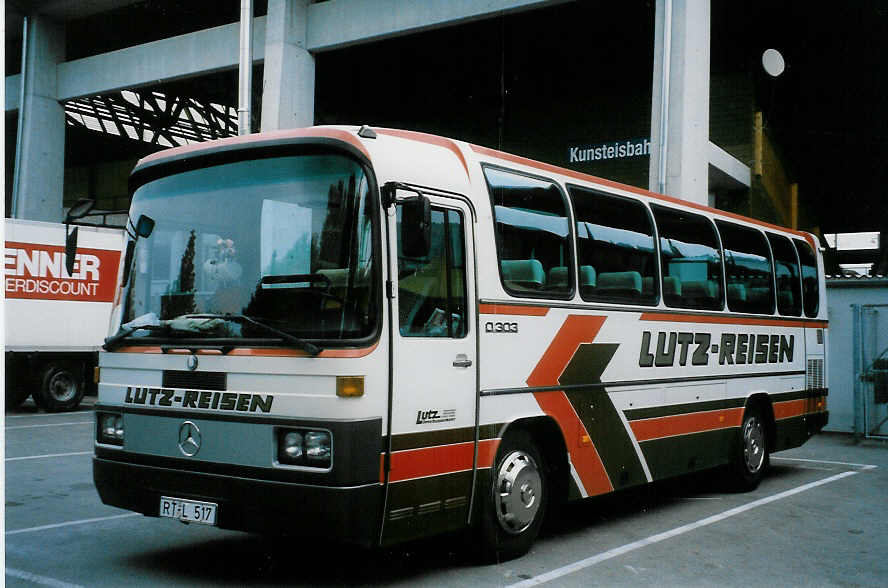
788,276
532,234
810,283
432,289
750,284
284,246
615,248
691,260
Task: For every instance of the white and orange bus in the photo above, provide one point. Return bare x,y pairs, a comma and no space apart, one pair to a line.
375,335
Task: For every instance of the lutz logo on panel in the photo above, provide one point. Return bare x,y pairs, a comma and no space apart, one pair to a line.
435,416
674,348
37,271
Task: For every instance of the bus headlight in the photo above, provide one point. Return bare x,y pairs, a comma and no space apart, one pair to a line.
305,447
292,445
317,446
110,428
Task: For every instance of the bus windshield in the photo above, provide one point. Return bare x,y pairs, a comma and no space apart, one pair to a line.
265,249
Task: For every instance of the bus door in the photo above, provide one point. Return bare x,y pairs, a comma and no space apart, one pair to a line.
434,377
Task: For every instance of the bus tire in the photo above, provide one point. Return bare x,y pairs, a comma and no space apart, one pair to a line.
61,386
516,501
752,457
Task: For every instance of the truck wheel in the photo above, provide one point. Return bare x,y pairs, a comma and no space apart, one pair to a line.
61,386
16,395
516,501
751,458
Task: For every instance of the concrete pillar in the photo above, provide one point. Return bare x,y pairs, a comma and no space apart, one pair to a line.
39,181
289,79
681,70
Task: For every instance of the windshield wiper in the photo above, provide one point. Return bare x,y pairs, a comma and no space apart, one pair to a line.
124,332
180,326
306,346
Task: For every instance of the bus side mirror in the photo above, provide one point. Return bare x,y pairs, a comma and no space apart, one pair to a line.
416,226
80,209
70,250
144,226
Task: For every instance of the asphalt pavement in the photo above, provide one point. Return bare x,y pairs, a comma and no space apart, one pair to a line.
818,519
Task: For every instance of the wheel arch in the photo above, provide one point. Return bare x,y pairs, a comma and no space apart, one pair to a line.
549,439
761,401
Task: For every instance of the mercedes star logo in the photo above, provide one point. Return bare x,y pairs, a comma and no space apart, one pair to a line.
191,362
189,439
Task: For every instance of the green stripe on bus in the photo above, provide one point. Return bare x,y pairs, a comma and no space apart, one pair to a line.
599,415
673,456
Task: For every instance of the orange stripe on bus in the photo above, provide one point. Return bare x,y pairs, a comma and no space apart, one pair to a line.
513,309
790,408
487,452
724,319
443,459
547,167
576,330
686,424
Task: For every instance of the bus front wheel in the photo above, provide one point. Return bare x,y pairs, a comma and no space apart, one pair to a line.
517,499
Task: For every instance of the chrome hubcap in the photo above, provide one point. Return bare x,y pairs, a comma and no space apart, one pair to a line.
517,492
753,445
62,386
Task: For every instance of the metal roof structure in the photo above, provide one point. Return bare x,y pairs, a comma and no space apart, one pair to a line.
152,117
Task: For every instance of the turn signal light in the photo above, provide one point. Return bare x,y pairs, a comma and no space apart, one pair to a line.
349,386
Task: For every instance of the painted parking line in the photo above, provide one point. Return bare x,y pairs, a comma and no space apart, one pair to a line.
49,414
46,455
70,523
51,425
37,579
635,545
863,466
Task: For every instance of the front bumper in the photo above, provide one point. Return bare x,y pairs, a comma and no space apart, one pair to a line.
346,514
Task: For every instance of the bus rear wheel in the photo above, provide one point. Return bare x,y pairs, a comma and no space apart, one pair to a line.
516,501
752,456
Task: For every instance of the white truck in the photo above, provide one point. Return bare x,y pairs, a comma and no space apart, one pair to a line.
56,319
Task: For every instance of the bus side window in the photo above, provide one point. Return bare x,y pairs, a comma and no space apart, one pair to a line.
810,287
532,235
690,258
432,289
615,248
786,270
750,284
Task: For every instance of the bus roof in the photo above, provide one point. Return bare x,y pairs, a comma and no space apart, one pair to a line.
349,135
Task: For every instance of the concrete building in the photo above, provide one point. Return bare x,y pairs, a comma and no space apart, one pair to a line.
568,82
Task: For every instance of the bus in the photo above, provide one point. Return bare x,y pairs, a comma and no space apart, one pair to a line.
373,335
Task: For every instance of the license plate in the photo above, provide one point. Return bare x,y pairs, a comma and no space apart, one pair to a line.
190,511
